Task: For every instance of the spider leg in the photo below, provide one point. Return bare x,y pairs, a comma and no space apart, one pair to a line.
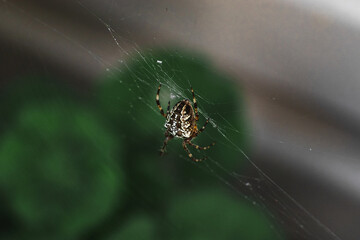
158,101
168,138
189,153
168,109
203,128
195,105
201,148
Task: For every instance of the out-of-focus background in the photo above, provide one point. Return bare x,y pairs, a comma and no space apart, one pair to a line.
74,163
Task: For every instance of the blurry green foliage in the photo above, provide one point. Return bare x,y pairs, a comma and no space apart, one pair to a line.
63,159
139,227
213,215
27,90
59,169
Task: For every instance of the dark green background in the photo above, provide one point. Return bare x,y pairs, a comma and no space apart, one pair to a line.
77,165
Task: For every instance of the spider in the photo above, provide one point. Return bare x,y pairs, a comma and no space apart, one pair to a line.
181,123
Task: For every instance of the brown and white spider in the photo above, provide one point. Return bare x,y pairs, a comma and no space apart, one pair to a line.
181,123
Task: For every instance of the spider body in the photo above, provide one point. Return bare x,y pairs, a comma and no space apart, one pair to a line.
181,123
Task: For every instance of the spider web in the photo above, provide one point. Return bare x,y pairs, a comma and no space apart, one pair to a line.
259,188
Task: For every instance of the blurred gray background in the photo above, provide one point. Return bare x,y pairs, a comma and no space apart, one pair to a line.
298,62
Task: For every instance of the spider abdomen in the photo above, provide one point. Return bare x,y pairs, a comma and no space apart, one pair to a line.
180,121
